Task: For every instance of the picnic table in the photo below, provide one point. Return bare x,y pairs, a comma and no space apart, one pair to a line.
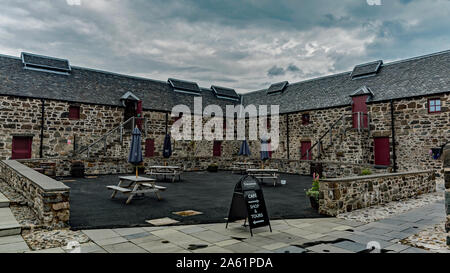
166,171
132,186
241,167
261,174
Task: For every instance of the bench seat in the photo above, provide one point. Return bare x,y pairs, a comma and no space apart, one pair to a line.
117,188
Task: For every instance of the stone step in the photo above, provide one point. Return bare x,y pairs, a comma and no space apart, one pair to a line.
4,202
8,223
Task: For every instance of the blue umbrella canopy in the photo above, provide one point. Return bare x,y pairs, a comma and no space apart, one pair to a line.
264,150
135,156
245,149
167,149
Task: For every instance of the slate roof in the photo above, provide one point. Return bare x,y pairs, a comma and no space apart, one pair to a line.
418,76
93,86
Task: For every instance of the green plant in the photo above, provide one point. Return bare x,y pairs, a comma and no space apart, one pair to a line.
314,190
366,172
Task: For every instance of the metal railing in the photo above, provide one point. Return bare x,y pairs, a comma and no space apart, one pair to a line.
360,126
133,121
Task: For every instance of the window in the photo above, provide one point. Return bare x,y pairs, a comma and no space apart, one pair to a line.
359,109
149,147
217,148
434,105
305,119
304,150
74,112
268,121
21,147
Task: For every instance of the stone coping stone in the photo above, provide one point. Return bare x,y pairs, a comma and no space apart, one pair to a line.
42,181
373,176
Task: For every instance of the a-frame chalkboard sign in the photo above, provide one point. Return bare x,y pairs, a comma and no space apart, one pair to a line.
248,203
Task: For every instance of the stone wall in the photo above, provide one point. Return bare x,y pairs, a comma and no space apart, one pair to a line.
48,198
446,159
351,193
416,132
114,165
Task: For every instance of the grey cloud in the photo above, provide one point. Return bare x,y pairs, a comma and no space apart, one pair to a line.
275,71
240,44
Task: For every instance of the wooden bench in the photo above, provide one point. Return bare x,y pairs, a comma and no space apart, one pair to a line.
117,188
166,171
161,188
136,186
262,174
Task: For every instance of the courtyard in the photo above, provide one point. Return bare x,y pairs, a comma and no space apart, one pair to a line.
205,192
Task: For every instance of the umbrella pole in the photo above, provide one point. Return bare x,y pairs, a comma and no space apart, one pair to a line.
136,172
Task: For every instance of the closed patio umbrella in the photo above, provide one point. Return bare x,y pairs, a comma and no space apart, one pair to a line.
167,148
264,151
245,149
135,156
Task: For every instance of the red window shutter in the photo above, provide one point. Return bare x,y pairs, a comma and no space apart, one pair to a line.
382,151
149,147
305,146
217,148
21,147
360,106
74,112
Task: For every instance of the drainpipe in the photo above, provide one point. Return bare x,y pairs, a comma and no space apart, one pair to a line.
167,121
42,128
287,135
394,154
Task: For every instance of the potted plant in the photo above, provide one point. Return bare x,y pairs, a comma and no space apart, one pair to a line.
313,192
213,168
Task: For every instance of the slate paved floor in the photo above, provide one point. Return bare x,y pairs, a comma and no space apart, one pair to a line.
319,235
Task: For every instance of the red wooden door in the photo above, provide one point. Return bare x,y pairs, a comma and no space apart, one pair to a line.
149,147
21,147
217,148
305,146
382,151
360,106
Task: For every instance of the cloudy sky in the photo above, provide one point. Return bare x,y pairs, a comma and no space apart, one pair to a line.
245,44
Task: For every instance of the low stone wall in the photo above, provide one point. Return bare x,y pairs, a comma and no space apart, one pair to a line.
446,160
341,195
106,165
48,198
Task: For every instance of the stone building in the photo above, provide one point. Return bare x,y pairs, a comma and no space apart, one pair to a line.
384,115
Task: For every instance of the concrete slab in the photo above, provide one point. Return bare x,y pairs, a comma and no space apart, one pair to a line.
4,202
126,247
8,223
328,248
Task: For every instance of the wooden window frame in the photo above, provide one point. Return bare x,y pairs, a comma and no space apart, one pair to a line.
435,105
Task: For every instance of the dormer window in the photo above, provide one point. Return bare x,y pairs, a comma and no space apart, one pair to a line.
366,70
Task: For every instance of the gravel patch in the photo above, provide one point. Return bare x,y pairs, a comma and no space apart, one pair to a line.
375,213
25,216
44,239
433,239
